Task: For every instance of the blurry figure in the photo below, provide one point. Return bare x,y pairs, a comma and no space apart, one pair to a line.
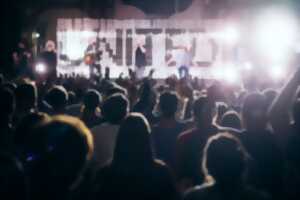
134,173
91,112
26,101
266,170
49,58
13,182
57,98
167,130
24,132
222,108
57,158
270,96
72,98
21,60
190,143
140,61
146,102
7,106
115,108
224,164
231,119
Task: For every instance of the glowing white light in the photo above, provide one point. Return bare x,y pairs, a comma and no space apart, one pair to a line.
276,32
277,72
35,35
231,75
40,68
248,66
231,35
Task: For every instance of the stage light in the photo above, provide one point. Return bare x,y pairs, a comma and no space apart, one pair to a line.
248,66
275,34
35,35
231,75
40,68
277,72
231,35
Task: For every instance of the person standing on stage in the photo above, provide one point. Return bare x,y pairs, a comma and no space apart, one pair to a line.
184,60
49,58
140,60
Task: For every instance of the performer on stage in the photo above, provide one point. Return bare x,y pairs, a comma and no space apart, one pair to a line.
184,61
49,58
140,60
93,57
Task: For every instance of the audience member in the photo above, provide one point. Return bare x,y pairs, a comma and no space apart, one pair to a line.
134,173
26,100
224,164
57,157
91,112
114,110
167,130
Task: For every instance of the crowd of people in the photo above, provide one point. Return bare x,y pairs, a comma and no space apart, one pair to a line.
174,139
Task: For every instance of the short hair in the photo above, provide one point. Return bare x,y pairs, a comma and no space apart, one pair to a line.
57,97
92,99
224,157
115,108
7,102
60,151
168,103
202,108
231,119
72,97
26,96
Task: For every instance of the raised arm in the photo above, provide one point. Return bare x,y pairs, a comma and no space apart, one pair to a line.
279,111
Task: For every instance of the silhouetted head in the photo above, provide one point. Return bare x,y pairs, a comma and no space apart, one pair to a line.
57,97
72,98
254,112
231,119
168,103
296,111
58,156
26,97
92,99
224,159
115,108
133,148
222,108
7,104
203,111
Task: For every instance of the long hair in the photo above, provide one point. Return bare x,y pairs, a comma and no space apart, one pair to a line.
133,147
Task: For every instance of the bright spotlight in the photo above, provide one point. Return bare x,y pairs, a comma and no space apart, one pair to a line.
231,35
277,72
276,33
248,66
231,75
40,68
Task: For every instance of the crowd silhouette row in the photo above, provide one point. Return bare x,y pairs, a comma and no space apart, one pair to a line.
147,139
